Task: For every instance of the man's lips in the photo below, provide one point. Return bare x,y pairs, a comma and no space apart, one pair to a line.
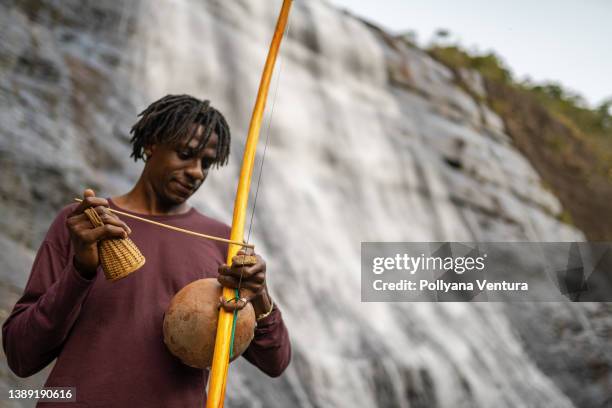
187,188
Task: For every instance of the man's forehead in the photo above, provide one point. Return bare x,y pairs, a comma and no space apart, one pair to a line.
194,140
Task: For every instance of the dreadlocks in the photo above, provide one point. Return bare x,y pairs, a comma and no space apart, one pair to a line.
170,120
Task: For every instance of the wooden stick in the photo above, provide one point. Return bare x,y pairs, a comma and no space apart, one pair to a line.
197,234
219,367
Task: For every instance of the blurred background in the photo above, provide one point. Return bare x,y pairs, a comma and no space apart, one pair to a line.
387,121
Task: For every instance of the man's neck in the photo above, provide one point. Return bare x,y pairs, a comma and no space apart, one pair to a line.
143,199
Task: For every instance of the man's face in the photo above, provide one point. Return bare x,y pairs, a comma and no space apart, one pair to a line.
177,171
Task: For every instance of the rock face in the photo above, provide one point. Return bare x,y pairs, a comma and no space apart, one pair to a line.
369,140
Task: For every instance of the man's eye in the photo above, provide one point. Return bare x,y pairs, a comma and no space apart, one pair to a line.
184,155
207,163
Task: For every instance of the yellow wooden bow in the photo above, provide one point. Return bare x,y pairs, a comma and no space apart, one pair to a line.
218,372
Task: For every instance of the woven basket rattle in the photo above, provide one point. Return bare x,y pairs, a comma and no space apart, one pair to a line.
119,257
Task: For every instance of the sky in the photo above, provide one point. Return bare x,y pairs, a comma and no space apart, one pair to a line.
565,41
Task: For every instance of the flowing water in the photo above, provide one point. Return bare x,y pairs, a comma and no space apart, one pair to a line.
354,157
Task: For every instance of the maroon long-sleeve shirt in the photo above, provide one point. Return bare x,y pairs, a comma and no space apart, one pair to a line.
107,337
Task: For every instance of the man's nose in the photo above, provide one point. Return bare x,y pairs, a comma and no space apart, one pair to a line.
195,170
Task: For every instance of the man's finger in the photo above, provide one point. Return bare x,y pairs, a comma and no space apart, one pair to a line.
234,271
89,200
258,278
246,251
252,287
228,281
234,304
233,283
224,269
240,271
106,232
117,222
108,217
82,222
76,220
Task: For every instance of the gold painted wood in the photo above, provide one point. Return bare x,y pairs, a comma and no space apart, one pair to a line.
218,373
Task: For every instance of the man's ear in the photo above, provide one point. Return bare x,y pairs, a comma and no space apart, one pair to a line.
149,150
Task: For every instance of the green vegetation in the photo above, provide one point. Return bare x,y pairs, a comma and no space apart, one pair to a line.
489,65
591,121
593,125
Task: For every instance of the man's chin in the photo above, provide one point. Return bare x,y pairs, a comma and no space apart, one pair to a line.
175,199
180,199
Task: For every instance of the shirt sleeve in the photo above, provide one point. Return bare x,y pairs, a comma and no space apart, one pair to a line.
270,349
41,320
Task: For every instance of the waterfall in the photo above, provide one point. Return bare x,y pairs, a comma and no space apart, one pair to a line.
353,157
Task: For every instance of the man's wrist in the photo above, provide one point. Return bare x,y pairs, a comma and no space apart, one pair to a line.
85,274
262,303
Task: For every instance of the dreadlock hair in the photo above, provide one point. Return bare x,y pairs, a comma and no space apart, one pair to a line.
170,120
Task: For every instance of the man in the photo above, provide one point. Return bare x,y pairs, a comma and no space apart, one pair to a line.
107,337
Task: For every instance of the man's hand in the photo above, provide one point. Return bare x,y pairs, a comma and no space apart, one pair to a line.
250,278
85,237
